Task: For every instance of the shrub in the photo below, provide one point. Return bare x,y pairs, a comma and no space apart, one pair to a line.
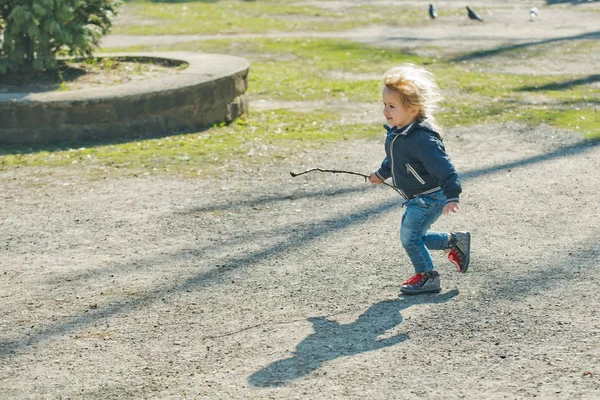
34,32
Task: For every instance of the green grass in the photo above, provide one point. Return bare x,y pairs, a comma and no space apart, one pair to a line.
310,72
303,69
585,120
285,81
318,53
561,101
226,17
264,138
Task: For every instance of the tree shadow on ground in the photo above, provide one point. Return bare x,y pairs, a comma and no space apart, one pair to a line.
583,257
504,49
307,233
38,82
293,236
266,200
572,2
571,150
182,1
332,340
23,149
303,235
562,85
251,201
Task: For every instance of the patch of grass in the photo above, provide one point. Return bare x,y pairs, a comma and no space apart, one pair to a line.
465,114
304,69
561,101
318,53
542,49
255,17
264,138
308,69
467,82
288,81
301,69
306,73
585,120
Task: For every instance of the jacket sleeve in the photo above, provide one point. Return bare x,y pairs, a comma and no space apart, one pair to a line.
432,154
385,171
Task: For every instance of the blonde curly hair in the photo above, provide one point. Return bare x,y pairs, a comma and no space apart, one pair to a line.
416,88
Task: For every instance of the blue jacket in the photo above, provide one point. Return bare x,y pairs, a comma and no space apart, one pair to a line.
417,162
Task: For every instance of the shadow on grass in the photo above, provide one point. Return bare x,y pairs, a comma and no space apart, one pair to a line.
19,149
38,82
504,49
332,340
562,85
580,103
179,1
572,2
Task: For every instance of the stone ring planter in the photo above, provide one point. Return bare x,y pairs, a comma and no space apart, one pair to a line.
209,91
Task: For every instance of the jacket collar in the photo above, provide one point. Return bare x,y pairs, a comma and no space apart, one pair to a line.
405,130
394,130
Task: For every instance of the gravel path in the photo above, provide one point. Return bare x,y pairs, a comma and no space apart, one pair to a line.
267,286
259,285
548,44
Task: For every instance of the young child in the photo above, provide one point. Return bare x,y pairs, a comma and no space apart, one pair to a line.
422,173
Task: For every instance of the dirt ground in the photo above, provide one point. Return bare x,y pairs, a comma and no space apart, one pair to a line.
257,285
87,75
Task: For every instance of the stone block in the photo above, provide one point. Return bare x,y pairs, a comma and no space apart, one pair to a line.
185,102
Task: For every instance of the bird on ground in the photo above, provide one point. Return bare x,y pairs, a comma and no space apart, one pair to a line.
473,14
533,12
432,11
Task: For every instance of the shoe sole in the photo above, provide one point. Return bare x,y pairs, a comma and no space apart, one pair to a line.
413,292
466,267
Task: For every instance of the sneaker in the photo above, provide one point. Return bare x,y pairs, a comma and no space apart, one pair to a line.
428,282
460,253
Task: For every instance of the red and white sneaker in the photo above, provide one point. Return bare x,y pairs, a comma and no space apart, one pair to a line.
460,253
428,282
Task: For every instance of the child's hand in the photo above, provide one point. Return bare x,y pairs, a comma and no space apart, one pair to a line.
374,178
450,207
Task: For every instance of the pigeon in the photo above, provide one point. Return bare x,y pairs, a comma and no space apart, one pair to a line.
432,11
533,12
474,15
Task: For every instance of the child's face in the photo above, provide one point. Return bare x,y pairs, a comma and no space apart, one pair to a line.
393,110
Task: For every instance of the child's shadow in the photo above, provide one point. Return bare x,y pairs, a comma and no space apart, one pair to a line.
332,339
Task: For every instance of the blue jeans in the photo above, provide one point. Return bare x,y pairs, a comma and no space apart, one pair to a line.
416,238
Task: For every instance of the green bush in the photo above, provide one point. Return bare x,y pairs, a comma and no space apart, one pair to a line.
34,32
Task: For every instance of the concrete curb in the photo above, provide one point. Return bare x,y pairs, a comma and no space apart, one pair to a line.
209,91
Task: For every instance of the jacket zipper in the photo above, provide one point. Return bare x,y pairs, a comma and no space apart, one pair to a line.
411,170
393,176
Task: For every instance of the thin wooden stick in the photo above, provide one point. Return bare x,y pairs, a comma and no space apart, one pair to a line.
335,171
